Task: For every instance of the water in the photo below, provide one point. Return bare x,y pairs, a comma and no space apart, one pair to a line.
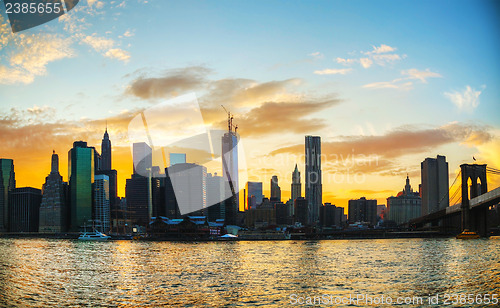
41,273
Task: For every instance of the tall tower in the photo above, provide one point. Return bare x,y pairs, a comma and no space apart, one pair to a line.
275,189
81,178
7,184
53,209
313,177
106,151
434,176
230,171
296,185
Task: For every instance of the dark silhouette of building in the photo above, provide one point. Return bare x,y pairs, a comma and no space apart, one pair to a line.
254,194
282,217
215,196
24,209
330,215
106,151
81,171
314,187
7,184
434,174
137,195
230,175
296,185
54,208
275,189
261,217
405,206
363,210
301,209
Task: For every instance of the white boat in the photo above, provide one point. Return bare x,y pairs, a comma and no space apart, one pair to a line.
93,236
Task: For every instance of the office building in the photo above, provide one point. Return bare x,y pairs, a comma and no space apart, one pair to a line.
215,197
435,182
189,182
142,156
254,194
7,184
331,216
301,209
102,211
230,175
405,206
24,209
106,152
139,197
275,189
177,158
313,177
81,171
296,185
363,210
54,208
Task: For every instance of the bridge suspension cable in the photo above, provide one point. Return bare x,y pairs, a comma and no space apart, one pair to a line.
447,194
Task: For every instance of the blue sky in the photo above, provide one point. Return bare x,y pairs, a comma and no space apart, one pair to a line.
390,65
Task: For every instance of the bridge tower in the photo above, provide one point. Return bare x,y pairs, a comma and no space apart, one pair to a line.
473,220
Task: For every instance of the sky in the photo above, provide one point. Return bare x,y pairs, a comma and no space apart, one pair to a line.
384,83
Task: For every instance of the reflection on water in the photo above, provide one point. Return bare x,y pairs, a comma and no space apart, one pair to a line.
39,273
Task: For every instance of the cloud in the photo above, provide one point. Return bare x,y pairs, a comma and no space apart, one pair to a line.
278,117
399,142
105,46
379,55
170,84
405,82
380,49
467,99
119,54
366,62
331,71
346,61
317,55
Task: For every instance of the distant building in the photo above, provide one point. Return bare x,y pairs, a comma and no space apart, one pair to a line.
189,182
102,211
381,211
331,216
54,208
296,185
301,209
24,209
177,158
81,171
106,152
282,216
230,175
7,184
435,184
261,217
254,194
215,197
314,188
142,156
275,189
138,196
405,206
363,210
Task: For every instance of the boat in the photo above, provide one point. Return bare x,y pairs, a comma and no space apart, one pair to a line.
93,236
467,234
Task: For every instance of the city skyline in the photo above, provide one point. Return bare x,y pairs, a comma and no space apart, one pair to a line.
381,101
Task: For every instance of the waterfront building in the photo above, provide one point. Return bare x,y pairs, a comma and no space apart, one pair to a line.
101,203
7,184
301,210
261,217
405,206
81,172
189,183
331,216
215,197
435,182
140,195
313,177
363,210
54,208
24,209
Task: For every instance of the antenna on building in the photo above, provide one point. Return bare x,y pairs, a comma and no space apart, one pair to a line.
230,121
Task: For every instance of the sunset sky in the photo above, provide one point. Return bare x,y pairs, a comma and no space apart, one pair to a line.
384,83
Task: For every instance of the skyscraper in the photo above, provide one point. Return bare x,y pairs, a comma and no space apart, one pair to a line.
275,189
24,209
81,178
54,208
230,174
215,197
101,203
363,210
142,157
106,151
189,182
254,194
296,185
139,196
7,183
434,177
313,177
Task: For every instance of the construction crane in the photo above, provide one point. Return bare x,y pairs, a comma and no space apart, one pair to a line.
230,124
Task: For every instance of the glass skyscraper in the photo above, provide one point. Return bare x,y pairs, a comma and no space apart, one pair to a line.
81,178
230,174
313,177
7,183
101,203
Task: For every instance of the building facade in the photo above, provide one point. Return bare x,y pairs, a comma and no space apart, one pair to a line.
296,185
363,210
405,206
81,171
254,194
314,188
139,194
24,209
331,216
215,197
230,175
435,184
102,211
106,152
7,184
54,209
275,189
